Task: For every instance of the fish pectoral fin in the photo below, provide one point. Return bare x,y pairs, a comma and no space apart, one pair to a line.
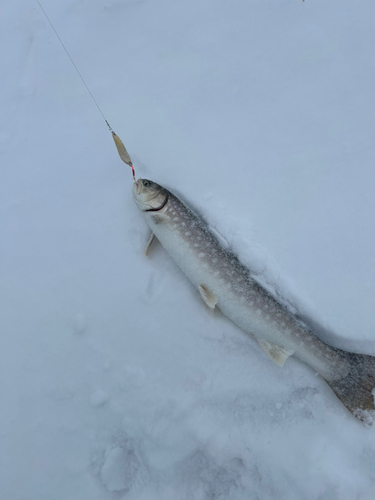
161,218
278,354
149,243
207,296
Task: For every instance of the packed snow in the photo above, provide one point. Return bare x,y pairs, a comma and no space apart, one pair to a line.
116,380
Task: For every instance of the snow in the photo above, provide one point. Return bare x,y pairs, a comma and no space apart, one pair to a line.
98,398
116,381
120,469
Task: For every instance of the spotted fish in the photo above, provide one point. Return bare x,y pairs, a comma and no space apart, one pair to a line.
224,282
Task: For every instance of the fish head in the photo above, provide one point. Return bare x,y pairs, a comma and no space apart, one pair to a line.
148,195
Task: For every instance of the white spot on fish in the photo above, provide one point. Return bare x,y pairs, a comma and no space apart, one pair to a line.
175,218
201,254
196,245
188,233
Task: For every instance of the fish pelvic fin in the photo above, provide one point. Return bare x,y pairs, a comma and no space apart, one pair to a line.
149,243
207,296
357,388
278,354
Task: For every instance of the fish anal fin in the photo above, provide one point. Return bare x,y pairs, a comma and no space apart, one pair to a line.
207,296
149,243
278,354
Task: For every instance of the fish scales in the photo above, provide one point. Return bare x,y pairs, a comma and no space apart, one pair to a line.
204,261
226,283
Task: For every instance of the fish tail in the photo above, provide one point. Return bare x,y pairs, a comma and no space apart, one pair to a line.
357,388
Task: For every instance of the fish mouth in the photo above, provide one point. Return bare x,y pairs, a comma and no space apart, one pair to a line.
138,186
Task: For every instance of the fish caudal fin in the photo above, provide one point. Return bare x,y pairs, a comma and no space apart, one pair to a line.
357,389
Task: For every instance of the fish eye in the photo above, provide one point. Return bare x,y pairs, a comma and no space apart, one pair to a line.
147,183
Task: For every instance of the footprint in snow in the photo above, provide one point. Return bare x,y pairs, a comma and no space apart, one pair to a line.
120,469
123,468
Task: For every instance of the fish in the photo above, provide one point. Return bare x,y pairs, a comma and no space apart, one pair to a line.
224,282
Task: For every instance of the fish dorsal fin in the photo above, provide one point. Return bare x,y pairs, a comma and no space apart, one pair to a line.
149,243
278,354
207,296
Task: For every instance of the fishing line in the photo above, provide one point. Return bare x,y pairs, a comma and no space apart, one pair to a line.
124,155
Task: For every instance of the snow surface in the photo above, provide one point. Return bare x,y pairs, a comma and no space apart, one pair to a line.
116,382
